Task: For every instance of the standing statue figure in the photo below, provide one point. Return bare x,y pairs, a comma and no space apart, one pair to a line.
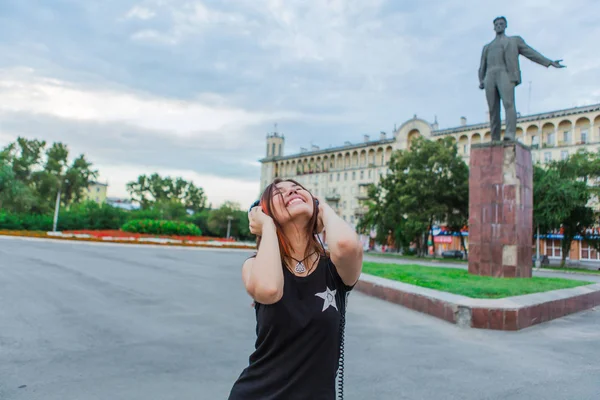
499,74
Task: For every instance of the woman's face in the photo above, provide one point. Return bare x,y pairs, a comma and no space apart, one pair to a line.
292,202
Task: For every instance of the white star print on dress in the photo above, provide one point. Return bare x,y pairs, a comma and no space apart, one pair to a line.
328,297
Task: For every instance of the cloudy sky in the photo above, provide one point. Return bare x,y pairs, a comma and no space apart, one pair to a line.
191,88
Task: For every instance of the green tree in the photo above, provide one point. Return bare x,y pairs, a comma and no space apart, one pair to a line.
14,194
148,190
425,185
561,195
218,220
24,156
37,174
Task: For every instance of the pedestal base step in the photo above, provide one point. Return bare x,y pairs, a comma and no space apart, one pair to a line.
509,314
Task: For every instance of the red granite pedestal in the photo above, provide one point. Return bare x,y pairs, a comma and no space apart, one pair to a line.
500,210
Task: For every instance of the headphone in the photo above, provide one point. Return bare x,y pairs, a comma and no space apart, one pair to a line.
258,203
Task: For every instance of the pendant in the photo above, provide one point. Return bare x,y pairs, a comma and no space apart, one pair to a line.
300,268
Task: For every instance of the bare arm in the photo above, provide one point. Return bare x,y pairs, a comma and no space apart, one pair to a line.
344,245
263,274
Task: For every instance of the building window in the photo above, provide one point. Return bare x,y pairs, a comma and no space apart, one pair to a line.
553,248
362,175
547,157
369,174
345,176
465,148
564,155
338,177
344,205
279,149
535,141
330,177
589,253
353,175
352,218
344,217
550,141
567,137
584,136
273,149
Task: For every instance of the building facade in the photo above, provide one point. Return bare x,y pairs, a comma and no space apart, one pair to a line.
341,174
96,192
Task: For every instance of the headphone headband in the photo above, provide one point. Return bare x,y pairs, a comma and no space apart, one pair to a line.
257,203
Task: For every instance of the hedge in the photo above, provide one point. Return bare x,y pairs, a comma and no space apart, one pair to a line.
162,227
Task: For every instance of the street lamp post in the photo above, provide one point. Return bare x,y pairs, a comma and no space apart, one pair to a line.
538,262
57,204
56,207
229,219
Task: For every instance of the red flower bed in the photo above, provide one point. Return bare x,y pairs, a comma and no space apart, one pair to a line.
120,234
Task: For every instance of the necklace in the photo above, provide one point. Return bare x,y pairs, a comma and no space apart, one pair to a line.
300,268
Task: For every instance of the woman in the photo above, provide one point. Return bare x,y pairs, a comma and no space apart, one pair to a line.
299,291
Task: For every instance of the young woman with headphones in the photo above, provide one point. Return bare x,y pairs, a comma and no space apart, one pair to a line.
300,291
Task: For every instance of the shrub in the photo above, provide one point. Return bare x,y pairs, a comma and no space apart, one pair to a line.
162,227
31,222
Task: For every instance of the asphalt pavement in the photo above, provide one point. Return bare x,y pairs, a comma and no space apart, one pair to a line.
94,321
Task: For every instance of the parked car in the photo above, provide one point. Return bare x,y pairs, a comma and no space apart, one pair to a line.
456,254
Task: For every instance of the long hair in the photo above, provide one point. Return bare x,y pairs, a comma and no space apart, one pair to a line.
285,245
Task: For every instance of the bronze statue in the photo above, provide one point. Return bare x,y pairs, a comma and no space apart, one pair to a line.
499,74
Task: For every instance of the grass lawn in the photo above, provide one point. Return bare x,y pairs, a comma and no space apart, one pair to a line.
458,281
417,259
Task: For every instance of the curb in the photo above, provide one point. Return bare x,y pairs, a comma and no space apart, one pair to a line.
130,242
506,314
558,271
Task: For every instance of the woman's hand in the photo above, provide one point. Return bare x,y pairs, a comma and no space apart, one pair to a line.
257,219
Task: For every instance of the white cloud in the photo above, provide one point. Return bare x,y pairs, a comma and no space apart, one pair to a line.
217,189
191,18
23,91
140,13
154,36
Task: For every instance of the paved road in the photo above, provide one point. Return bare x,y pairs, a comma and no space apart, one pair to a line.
99,321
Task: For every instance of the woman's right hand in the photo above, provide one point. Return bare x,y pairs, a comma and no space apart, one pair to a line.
257,219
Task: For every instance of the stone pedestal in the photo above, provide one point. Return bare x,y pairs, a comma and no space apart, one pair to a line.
500,210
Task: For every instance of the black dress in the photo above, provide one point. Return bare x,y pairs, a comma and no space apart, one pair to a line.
298,340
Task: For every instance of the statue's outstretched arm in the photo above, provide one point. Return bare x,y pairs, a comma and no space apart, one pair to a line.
527,51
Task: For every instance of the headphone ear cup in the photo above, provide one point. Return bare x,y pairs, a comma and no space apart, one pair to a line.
263,206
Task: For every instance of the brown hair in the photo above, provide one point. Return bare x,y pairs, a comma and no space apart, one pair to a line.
285,246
